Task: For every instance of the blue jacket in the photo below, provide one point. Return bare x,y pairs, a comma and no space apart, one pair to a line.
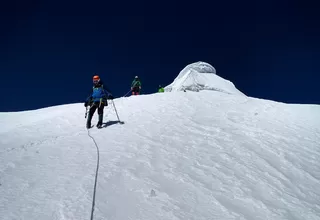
99,93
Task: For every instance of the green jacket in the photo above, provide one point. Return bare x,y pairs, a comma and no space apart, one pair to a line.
161,89
136,83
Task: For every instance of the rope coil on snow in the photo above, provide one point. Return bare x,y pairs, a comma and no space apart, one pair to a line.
96,176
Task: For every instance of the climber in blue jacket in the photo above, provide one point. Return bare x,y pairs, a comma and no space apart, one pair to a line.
97,100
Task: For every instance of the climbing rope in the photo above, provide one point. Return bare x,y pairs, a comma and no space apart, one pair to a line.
98,161
96,177
127,93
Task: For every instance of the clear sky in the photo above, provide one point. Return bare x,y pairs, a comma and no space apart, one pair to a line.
51,49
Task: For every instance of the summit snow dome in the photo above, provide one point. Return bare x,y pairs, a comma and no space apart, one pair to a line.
201,76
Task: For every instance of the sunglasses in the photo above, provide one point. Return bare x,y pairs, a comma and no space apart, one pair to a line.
95,81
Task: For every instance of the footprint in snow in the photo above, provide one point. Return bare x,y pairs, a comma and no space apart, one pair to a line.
153,193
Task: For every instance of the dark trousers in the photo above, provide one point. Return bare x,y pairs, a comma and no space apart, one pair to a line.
93,108
135,91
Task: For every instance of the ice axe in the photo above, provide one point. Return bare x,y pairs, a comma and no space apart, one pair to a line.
85,116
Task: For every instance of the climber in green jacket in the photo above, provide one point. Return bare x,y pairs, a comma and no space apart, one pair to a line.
136,86
161,89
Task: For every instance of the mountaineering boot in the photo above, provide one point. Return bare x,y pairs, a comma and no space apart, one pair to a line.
99,125
89,121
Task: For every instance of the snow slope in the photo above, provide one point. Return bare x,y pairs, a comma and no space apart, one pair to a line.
236,157
201,76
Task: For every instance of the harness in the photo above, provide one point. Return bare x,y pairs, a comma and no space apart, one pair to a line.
100,88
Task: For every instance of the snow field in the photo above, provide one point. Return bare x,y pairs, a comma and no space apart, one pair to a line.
183,155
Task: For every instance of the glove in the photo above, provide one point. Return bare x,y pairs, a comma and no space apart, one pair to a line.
85,104
110,97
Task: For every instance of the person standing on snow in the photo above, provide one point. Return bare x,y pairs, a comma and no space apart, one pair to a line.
97,100
161,89
136,86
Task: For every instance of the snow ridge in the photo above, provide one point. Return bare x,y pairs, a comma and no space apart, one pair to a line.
201,76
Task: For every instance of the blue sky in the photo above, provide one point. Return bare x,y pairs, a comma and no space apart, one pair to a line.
50,50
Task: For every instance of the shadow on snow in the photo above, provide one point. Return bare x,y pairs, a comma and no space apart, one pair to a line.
109,123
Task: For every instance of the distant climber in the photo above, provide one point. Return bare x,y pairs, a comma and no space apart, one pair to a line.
136,86
161,89
97,100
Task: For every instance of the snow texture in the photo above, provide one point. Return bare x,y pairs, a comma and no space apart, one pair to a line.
235,157
177,155
201,76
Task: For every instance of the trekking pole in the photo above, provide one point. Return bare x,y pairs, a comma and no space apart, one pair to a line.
115,110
